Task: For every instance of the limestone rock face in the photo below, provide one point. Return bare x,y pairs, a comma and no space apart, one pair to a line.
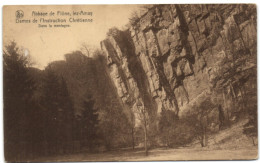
175,55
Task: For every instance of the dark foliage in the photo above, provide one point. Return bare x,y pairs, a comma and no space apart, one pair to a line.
90,123
167,125
41,116
18,104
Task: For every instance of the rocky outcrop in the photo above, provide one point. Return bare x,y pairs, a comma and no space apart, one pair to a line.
175,55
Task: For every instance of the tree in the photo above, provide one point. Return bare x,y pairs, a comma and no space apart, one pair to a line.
87,49
17,82
58,111
143,117
90,122
66,114
167,123
132,124
113,32
114,127
134,18
18,105
221,116
50,102
250,128
200,120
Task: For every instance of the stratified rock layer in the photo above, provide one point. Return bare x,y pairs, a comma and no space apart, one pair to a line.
174,55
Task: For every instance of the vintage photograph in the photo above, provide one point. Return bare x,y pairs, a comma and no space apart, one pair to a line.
158,82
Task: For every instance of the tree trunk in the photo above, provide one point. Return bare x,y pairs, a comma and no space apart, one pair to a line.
227,110
253,141
133,138
167,140
243,101
204,139
145,136
145,139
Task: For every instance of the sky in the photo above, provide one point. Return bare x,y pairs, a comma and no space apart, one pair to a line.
49,44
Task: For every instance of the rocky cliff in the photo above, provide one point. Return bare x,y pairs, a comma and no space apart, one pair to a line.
176,55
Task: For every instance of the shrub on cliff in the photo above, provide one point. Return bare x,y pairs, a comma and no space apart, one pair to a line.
114,31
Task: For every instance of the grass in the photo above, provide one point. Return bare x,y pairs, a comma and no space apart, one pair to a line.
161,154
228,144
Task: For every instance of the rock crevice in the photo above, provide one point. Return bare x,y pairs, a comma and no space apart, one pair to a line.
174,53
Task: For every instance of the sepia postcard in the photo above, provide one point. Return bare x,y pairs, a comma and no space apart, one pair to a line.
158,82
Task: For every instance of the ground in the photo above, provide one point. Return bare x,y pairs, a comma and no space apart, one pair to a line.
228,144
160,154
